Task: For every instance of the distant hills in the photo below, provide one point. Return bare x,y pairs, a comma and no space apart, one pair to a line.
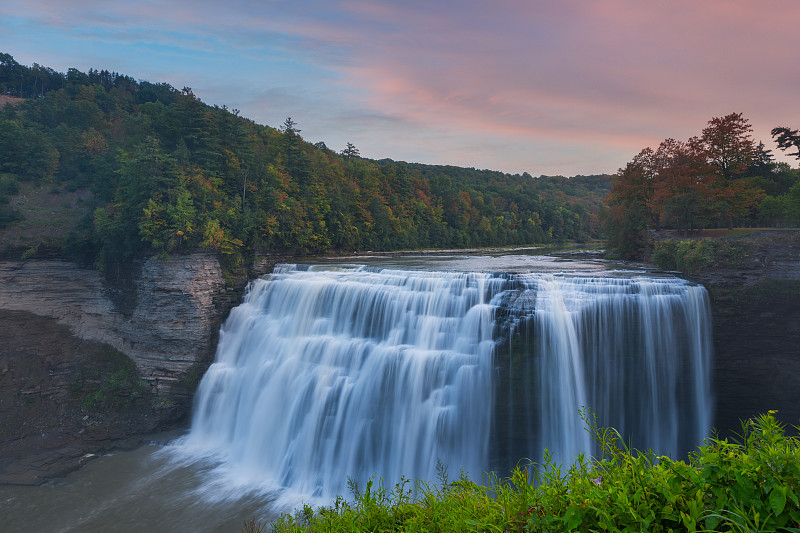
139,168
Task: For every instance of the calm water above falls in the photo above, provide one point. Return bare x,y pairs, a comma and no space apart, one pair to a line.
329,373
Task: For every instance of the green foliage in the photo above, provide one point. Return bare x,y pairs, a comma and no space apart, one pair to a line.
747,485
792,203
696,255
171,174
8,187
254,527
787,139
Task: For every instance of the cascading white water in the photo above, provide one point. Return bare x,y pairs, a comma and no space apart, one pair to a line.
329,373
636,351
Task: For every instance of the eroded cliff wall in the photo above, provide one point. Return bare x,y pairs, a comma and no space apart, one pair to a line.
756,319
65,336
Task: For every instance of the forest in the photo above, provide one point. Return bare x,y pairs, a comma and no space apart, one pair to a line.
720,179
168,173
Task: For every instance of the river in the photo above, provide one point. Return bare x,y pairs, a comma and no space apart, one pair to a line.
395,366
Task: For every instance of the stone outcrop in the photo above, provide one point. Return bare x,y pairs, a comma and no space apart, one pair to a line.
48,424
757,351
58,319
166,324
756,318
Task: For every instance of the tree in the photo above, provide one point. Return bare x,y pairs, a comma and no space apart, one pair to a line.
630,205
167,225
787,139
730,149
792,202
289,127
686,184
77,77
143,174
11,75
350,151
171,173
728,144
682,184
297,162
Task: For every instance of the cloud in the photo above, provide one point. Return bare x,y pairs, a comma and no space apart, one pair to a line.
564,87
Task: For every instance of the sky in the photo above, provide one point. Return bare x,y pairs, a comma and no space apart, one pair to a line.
557,87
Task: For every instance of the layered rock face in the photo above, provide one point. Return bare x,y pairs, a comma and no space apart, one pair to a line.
62,325
757,348
165,324
756,320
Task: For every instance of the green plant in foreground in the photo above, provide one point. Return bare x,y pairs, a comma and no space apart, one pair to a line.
749,484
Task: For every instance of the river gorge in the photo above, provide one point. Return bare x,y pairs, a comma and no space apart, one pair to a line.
333,370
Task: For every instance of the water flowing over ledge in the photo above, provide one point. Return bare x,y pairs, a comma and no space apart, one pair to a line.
330,373
635,350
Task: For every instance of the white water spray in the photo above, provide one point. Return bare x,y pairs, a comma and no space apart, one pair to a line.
326,375
329,374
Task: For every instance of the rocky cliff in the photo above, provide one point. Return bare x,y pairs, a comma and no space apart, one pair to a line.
756,318
85,361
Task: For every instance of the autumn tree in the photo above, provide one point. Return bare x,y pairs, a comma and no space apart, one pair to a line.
631,205
728,145
168,224
686,185
682,184
729,148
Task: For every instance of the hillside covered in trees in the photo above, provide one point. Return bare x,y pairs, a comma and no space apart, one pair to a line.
720,179
160,171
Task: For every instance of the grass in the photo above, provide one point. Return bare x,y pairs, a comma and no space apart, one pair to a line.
749,484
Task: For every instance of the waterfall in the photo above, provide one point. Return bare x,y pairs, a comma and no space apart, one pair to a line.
325,374
635,350
329,374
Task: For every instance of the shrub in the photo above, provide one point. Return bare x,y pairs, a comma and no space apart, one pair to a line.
747,485
695,255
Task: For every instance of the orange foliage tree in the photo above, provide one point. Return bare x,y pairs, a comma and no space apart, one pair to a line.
729,149
684,185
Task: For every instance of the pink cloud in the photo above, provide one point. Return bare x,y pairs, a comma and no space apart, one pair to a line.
611,76
619,72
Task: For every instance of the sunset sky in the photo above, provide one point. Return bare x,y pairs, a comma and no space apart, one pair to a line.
546,87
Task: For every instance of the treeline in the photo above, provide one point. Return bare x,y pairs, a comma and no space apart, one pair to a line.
722,178
169,173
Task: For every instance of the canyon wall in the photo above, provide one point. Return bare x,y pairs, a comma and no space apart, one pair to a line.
756,318
67,336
